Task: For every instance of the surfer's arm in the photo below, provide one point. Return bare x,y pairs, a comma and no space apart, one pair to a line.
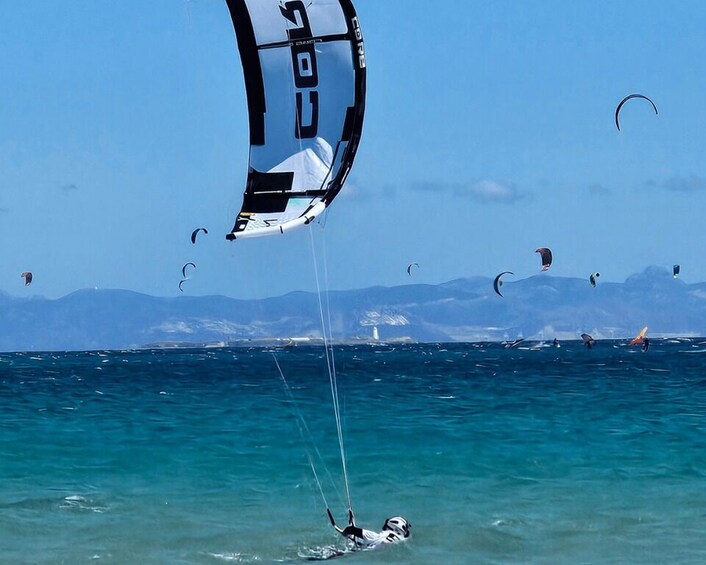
349,530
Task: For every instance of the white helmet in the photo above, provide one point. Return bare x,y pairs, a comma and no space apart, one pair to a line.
398,525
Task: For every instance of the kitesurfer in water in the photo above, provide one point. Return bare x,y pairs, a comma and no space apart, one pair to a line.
588,341
394,529
645,344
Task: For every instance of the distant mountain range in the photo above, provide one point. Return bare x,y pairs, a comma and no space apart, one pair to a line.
539,307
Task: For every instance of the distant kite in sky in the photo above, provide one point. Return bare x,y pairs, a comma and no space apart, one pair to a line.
624,100
675,271
181,282
546,255
409,268
28,277
195,233
183,269
497,283
592,278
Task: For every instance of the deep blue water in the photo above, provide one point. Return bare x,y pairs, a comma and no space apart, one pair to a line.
495,455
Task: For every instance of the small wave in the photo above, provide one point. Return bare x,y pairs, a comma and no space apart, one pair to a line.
236,557
321,553
503,522
78,502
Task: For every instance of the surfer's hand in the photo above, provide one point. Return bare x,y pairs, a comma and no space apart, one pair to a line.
330,517
352,531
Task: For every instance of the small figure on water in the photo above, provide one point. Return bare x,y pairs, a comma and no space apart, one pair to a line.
394,530
645,344
588,340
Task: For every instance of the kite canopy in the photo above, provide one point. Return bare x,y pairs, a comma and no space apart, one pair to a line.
497,283
675,271
624,100
195,233
546,255
183,269
592,278
304,68
28,277
409,268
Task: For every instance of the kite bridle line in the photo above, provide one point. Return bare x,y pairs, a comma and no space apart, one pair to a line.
305,433
330,362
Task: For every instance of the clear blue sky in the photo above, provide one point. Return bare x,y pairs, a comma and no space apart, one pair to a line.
489,132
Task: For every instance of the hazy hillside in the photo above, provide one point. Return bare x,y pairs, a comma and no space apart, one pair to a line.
541,307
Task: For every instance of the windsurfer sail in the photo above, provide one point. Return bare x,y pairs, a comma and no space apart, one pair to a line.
639,337
304,67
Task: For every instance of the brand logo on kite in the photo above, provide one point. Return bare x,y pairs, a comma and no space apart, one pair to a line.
360,48
306,73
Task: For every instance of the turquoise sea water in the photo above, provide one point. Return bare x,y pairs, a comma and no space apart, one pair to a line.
495,455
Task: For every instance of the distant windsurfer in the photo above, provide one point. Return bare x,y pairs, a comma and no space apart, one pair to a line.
394,530
639,338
